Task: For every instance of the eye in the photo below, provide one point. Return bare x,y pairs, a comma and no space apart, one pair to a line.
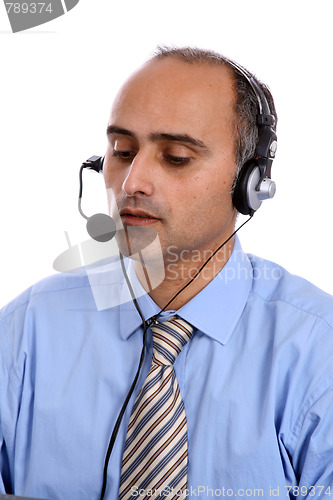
123,155
177,160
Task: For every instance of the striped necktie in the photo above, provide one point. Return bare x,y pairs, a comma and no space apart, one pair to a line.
155,454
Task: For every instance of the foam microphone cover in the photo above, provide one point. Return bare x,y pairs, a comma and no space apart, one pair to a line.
101,227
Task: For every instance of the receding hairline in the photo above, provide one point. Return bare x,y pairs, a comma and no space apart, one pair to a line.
196,57
193,56
199,57
228,70
155,60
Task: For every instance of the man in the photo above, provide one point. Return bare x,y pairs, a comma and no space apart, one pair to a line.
253,379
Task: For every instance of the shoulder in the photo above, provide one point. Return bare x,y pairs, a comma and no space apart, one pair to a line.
68,291
39,307
51,288
294,323
276,286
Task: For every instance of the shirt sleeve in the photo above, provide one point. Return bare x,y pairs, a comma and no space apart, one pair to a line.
9,408
313,445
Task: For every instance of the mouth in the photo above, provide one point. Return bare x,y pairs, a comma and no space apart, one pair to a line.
132,217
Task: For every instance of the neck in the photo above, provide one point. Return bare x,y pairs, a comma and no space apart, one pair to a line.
180,271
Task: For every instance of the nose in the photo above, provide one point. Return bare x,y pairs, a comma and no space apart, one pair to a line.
139,178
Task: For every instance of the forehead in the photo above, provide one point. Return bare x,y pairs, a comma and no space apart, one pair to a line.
173,94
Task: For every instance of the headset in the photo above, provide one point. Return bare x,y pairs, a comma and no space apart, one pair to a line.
254,185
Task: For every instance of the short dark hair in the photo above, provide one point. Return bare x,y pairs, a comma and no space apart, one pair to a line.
247,107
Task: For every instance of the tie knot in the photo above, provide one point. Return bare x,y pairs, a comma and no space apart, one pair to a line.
169,338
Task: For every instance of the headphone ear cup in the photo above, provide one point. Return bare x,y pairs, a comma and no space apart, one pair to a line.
241,192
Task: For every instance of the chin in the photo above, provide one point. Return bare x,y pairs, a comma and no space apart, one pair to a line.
135,242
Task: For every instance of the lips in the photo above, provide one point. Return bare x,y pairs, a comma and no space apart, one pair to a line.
136,213
136,217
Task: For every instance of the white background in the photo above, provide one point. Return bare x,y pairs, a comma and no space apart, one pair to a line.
57,83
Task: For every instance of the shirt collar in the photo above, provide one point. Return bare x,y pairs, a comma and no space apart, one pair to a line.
215,310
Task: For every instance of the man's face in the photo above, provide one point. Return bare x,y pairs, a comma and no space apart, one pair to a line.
170,161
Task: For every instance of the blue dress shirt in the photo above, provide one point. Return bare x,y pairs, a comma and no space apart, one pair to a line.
256,380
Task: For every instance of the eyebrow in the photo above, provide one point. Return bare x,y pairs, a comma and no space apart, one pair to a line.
158,136
113,129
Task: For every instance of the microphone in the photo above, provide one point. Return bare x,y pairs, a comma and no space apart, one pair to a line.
100,227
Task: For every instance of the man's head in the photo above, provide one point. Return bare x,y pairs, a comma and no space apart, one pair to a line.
179,129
